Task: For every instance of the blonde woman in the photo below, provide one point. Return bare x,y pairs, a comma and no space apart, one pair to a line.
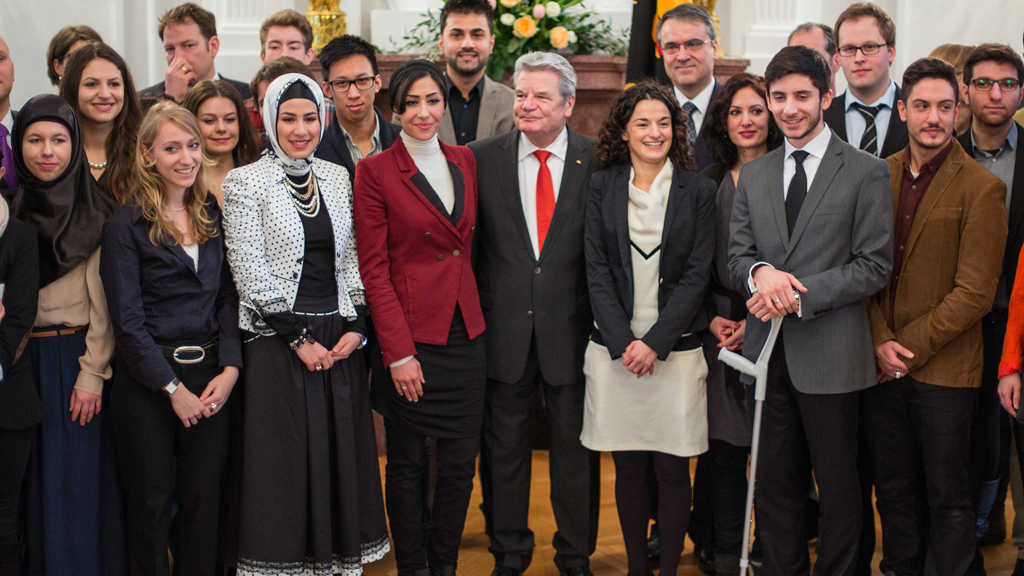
175,317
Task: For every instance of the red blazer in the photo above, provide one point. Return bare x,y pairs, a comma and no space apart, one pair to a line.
414,261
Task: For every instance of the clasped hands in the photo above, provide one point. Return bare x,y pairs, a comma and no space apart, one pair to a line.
774,293
316,357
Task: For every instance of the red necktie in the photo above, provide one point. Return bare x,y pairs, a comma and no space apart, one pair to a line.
545,198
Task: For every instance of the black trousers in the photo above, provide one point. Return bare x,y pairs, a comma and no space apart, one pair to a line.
15,447
797,428
985,431
506,462
728,499
404,488
920,446
163,463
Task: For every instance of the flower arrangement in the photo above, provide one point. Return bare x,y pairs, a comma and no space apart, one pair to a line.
522,26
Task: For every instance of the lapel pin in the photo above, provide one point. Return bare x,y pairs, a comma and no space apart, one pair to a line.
578,162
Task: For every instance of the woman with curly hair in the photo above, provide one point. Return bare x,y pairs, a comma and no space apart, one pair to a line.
649,237
738,129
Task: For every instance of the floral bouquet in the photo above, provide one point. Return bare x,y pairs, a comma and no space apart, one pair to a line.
522,26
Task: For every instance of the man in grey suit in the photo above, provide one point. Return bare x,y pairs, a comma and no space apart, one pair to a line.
811,238
533,185
478,107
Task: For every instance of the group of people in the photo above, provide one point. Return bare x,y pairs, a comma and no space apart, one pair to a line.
470,258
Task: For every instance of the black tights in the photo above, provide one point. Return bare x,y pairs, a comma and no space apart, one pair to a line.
632,496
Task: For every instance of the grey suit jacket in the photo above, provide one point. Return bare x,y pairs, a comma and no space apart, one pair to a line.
495,114
841,250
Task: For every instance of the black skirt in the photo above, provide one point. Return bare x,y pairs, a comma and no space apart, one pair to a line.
311,489
452,405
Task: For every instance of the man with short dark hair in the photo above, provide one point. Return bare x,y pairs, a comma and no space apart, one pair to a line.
819,37
993,74
478,107
189,35
689,44
926,326
810,252
865,115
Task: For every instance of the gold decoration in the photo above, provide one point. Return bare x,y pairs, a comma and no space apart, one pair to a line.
709,5
327,20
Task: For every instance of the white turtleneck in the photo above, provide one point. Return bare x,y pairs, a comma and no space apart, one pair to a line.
434,166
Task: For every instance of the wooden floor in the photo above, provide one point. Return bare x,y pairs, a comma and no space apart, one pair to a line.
610,557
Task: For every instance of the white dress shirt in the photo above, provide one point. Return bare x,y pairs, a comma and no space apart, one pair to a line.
8,122
702,101
856,124
529,166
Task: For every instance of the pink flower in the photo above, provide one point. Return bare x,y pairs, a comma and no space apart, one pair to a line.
538,11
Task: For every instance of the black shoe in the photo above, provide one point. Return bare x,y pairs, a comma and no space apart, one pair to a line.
577,571
506,571
653,548
705,559
996,533
1018,569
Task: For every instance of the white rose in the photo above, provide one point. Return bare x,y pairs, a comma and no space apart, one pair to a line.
507,19
596,10
552,9
572,37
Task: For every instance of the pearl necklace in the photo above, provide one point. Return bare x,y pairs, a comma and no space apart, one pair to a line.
305,196
95,166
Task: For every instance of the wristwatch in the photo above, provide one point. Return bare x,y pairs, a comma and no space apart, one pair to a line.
364,341
172,387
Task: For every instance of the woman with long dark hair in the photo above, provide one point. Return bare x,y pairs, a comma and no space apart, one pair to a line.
73,484
64,42
649,243
738,129
415,212
229,139
99,87
311,497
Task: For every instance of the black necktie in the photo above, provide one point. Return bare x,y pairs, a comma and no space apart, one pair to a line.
797,190
869,141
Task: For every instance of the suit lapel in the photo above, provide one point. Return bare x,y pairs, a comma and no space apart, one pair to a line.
621,202
410,175
180,254
573,176
827,169
777,201
835,116
936,189
1016,216
675,196
896,135
447,133
506,167
488,102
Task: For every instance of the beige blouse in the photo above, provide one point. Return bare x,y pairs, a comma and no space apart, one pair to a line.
77,299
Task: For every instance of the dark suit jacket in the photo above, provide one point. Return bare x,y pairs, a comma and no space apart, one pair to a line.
687,251
414,258
896,136
1015,239
949,274
700,149
722,286
20,406
8,193
528,299
334,149
155,93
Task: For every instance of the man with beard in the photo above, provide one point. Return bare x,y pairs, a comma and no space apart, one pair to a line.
926,326
478,107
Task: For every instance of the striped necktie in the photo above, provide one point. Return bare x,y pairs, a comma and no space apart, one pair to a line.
869,142
691,128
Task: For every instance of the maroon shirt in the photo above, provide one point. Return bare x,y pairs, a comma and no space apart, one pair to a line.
910,196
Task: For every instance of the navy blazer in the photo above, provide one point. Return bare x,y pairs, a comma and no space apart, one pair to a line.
687,252
155,295
20,406
333,147
700,150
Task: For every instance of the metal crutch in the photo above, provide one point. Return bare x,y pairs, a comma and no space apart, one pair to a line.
759,370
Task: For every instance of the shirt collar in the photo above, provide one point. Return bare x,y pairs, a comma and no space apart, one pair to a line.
816,147
932,165
376,130
701,101
1011,138
557,148
479,88
8,120
888,99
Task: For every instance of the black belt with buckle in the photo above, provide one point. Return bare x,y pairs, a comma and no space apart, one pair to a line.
187,353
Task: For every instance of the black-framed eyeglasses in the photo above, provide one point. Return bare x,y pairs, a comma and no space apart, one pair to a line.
363,83
692,46
986,84
867,50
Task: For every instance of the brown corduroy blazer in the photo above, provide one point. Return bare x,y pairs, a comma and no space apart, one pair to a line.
950,271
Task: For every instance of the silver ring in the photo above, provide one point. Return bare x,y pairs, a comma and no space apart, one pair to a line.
897,374
213,406
777,300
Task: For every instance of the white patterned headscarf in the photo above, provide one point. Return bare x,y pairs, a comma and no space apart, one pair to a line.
271,105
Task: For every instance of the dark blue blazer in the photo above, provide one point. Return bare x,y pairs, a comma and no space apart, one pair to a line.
334,149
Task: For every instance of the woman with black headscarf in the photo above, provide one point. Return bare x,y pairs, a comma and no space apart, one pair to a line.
311,497
415,207
73,484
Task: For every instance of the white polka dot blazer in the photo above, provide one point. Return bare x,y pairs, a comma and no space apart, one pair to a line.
266,243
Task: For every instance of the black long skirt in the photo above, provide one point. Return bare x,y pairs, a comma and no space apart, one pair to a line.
311,490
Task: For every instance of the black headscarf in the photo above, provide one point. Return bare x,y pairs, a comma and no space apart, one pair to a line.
68,212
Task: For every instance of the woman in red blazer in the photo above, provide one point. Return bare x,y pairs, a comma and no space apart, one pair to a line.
415,211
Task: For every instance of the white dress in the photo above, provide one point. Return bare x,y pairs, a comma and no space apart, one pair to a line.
664,412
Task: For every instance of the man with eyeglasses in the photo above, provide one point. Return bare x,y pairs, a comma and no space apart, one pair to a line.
688,44
478,107
865,115
993,75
